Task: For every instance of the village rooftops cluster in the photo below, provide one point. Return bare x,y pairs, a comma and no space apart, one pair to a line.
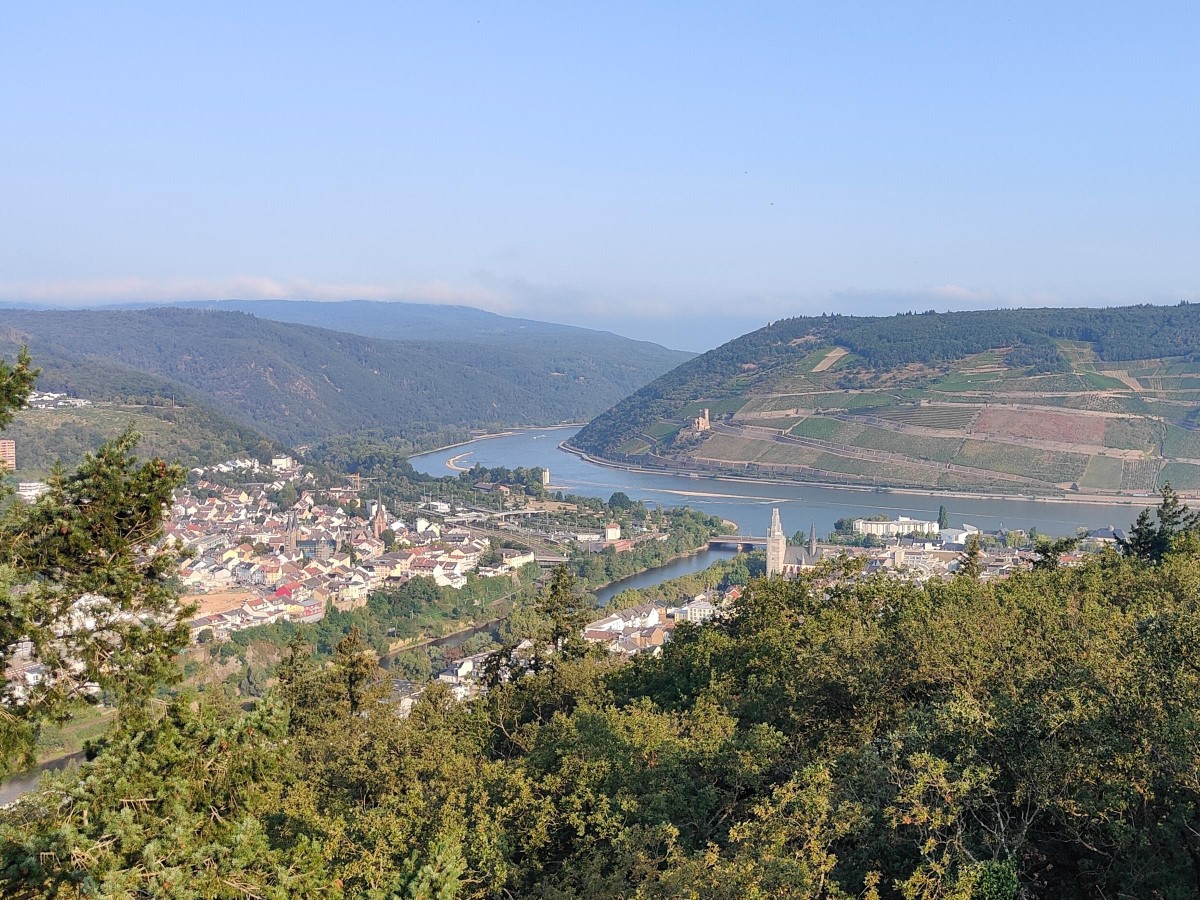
254,564
645,629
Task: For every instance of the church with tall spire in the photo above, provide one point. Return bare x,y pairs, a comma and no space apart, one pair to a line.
380,523
785,560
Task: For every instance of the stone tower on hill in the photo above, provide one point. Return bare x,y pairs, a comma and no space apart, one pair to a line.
776,545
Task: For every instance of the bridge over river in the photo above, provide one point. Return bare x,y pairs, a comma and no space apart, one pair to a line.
736,542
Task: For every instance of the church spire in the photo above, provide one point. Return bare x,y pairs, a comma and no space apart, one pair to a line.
776,545
380,524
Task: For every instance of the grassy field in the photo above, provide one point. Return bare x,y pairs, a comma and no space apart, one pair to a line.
634,447
825,400
1100,382
916,446
814,359
816,427
725,406
958,381
1183,476
1181,442
1103,473
786,454
1045,465
662,429
1131,434
86,723
1178,382
1070,383
730,447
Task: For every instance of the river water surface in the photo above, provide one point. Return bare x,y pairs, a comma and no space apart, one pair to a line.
749,503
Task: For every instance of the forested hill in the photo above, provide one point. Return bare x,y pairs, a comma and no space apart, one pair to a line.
1014,400
435,322
299,383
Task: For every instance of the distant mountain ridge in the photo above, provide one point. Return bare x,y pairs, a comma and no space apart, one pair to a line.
296,382
395,320
1039,401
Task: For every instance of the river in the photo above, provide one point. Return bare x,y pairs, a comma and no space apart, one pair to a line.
749,503
22,784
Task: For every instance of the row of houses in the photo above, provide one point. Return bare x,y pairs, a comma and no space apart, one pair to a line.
646,628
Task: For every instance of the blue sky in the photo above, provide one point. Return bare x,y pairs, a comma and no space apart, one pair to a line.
679,172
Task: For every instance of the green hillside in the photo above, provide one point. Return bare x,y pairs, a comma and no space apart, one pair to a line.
1012,401
299,383
189,433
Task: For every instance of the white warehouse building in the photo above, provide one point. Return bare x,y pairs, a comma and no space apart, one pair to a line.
895,528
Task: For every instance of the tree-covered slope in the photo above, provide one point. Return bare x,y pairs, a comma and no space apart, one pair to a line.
296,382
838,737
188,432
1099,400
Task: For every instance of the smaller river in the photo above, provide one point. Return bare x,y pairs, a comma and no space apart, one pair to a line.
22,784
677,568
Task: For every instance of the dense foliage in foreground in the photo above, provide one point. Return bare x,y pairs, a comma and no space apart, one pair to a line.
1032,737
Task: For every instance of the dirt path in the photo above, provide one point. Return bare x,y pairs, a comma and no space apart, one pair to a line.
830,358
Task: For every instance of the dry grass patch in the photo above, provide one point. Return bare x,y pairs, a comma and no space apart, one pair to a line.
1043,425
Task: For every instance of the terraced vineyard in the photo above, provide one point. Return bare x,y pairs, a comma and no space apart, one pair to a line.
951,418
1089,404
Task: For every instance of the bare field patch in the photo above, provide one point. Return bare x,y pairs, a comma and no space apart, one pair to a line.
1043,425
218,601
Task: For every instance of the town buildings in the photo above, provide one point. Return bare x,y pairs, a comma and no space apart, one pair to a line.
894,528
253,563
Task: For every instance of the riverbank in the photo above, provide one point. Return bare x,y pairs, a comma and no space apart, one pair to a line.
1131,500
516,429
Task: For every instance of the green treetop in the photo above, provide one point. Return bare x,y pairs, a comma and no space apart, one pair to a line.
84,602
